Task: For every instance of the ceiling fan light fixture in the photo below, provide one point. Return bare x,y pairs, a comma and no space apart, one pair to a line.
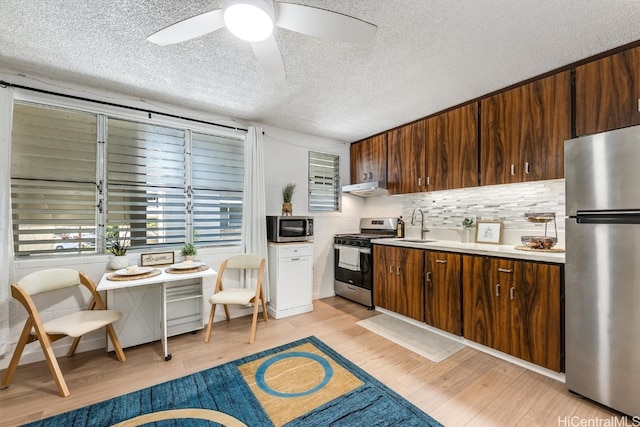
250,20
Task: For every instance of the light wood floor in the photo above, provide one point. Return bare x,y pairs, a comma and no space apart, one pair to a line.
469,388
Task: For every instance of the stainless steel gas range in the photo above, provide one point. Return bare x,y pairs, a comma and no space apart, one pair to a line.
353,259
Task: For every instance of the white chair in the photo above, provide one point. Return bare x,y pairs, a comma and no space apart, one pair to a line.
75,324
239,296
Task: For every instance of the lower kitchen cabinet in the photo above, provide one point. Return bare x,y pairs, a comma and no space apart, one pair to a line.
398,283
443,291
514,307
290,279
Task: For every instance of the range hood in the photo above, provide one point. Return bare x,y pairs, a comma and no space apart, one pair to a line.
366,189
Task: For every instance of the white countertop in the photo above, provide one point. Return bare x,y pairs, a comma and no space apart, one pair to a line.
505,251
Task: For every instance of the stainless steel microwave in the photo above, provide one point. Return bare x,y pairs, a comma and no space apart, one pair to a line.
289,228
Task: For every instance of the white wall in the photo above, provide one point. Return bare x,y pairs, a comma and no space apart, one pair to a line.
286,160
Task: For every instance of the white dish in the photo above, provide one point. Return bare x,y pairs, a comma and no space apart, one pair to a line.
183,266
138,271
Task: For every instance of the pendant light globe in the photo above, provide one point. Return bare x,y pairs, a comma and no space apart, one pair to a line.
250,20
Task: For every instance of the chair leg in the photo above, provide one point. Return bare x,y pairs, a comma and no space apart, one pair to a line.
207,335
264,310
117,348
22,342
254,322
45,343
74,346
226,311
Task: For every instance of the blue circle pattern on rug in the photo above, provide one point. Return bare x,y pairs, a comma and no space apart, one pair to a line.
260,380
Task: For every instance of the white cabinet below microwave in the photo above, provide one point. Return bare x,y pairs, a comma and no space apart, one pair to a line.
290,279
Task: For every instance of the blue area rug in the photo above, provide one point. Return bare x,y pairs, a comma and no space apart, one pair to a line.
304,383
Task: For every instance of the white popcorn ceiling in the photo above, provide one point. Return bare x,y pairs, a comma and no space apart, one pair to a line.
428,55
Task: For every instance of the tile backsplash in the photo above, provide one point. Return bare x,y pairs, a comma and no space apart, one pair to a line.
507,203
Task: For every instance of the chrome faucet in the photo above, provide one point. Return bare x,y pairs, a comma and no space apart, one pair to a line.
423,230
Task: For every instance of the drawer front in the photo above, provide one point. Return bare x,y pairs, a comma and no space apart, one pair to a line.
294,251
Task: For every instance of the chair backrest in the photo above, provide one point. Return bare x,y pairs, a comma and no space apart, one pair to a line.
244,261
49,280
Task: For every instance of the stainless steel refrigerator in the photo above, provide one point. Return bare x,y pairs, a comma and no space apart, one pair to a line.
602,282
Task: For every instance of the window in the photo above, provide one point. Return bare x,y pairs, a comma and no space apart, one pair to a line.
150,184
53,180
324,182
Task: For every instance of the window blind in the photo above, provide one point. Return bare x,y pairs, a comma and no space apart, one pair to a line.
324,182
53,180
146,182
217,166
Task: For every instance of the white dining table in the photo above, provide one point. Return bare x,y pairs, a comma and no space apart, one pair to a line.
164,279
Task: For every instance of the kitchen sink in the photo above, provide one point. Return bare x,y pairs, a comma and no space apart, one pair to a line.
417,240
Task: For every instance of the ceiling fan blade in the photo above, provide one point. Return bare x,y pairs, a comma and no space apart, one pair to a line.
188,29
270,59
323,23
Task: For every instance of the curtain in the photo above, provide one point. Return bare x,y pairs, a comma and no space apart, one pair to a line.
6,113
254,225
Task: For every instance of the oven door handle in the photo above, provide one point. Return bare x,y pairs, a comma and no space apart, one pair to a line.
361,250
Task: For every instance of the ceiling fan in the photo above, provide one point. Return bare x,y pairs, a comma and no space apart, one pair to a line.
253,21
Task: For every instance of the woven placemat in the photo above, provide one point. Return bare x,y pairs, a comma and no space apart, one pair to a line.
526,248
186,270
117,278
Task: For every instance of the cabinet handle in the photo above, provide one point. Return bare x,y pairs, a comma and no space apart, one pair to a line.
498,290
638,105
428,276
365,176
391,269
419,182
295,259
513,169
428,180
441,261
526,168
511,293
505,270
370,175
398,271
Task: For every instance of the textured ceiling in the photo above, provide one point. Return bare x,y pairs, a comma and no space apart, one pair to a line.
427,55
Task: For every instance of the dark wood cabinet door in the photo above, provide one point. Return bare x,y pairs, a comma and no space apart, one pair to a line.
536,315
608,93
398,280
499,138
411,285
483,312
523,131
545,123
383,280
368,160
406,148
443,291
452,149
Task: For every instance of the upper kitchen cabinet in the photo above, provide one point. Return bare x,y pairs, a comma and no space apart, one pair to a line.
369,160
608,93
452,149
523,131
406,158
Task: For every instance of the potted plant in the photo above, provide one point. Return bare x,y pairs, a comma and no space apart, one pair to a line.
467,225
118,247
188,251
287,196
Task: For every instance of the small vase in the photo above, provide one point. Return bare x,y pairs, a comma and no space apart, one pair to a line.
464,236
188,257
287,209
118,262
